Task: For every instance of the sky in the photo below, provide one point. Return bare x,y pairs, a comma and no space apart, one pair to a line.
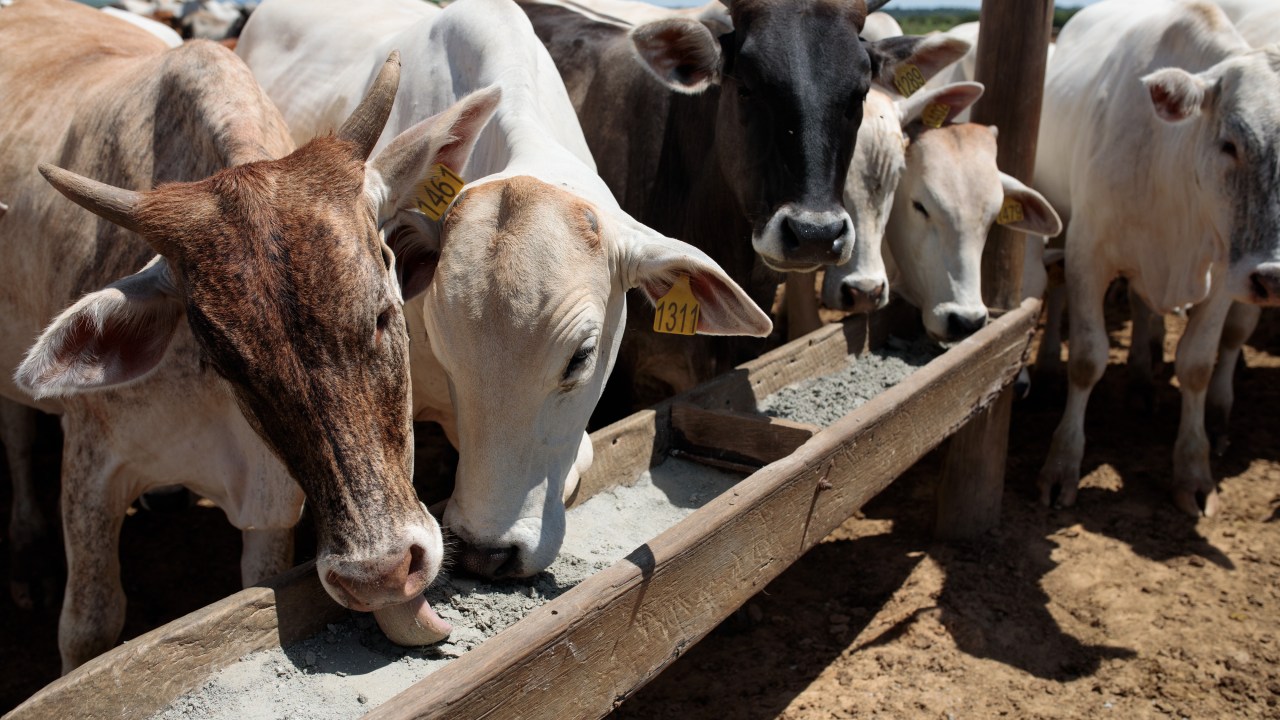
903,4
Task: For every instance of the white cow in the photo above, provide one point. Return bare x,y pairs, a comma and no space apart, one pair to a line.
160,30
880,25
1159,125
525,276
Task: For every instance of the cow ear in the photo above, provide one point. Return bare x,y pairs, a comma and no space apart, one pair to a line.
395,176
956,97
681,52
110,337
1038,216
654,263
928,54
1176,95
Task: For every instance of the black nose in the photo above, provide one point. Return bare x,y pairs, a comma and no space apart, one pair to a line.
863,300
815,238
488,562
959,327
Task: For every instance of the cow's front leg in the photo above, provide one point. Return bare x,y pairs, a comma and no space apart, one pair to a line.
1146,351
35,561
1197,351
94,500
265,553
1048,369
1086,361
1241,321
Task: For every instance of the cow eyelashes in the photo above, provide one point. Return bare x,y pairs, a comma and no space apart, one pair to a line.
579,361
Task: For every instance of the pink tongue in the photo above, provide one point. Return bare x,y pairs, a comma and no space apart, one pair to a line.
412,623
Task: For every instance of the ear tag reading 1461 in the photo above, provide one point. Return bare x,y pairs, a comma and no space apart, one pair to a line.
1010,212
908,79
935,114
677,311
437,191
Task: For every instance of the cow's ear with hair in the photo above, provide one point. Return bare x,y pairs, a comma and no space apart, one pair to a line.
1038,216
1176,95
957,97
108,338
654,263
928,53
395,176
680,52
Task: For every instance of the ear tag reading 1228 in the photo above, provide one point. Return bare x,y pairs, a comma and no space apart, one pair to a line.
1010,212
935,114
908,79
437,191
677,311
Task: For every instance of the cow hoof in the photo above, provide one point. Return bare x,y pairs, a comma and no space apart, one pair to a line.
1188,501
1065,486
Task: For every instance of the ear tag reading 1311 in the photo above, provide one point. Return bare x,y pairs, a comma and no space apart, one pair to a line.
935,114
677,311
437,191
908,79
1010,212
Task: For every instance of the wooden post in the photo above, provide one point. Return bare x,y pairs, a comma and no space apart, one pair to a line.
1012,43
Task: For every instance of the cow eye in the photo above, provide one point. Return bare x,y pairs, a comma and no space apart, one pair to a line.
1229,149
920,208
579,361
380,324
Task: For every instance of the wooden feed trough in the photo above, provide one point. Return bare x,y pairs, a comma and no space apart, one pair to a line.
586,651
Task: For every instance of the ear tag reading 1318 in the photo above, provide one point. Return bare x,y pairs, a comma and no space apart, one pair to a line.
677,311
437,191
1010,212
908,79
935,114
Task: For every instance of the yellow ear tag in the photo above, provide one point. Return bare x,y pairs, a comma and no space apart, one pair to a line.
437,191
908,79
677,311
935,114
1010,212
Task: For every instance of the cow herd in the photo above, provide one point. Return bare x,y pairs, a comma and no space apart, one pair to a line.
383,212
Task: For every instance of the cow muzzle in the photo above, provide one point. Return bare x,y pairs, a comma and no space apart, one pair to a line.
800,240
393,577
862,295
1264,285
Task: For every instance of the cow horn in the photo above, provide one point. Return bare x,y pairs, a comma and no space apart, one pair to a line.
874,5
106,201
365,125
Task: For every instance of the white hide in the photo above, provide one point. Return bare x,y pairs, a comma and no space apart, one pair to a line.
160,30
486,363
880,25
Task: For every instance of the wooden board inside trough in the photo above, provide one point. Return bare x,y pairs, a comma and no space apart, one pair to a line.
592,647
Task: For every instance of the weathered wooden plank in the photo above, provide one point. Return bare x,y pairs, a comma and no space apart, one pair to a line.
583,653
144,675
745,438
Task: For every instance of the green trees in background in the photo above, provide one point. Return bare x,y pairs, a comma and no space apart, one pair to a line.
919,22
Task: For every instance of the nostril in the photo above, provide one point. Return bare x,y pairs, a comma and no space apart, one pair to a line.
790,237
880,293
848,296
417,559
489,562
1259,286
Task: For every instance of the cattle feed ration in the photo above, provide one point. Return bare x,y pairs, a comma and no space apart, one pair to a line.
824,400
350,668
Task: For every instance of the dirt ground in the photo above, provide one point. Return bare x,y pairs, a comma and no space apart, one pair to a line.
1120,607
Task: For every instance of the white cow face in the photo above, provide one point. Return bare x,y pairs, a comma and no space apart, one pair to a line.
879,157
524,313
949,195
1233,110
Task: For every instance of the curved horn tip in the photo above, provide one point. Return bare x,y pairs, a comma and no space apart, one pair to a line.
874,5
106,201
